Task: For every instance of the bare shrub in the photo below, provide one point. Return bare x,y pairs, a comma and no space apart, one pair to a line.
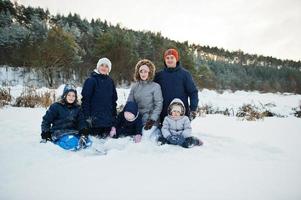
46,99
5,97
205,109
249,112
209,109
31,98
297,112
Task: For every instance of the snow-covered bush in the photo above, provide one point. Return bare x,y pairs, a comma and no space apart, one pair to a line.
209,109
205,109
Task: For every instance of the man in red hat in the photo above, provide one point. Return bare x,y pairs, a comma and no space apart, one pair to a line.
177,82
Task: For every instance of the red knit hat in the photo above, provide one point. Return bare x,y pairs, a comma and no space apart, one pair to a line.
171,52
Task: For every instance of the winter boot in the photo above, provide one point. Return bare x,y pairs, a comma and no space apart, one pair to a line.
191,142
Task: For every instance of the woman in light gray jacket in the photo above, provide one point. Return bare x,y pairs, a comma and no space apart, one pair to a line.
176,127
147,94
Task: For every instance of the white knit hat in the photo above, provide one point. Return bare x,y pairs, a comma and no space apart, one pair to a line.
104,61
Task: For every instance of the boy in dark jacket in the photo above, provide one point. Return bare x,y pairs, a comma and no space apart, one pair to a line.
176,82
60,123
128,123
99,98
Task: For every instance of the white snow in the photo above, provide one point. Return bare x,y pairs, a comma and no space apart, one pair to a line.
19,76
281,104
239,160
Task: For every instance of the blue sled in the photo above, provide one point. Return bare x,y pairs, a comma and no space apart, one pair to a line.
71,142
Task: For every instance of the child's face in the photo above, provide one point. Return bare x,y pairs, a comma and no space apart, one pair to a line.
175,113
171,61
143,72
103,69
129,116
70,98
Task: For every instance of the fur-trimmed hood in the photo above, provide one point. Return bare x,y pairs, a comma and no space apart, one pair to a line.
151,66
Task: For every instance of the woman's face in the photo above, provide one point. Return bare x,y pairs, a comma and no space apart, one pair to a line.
103,69
70,98
171,61
144,72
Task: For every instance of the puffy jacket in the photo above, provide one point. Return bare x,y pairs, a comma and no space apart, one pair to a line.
176,126
177,83
148,96
99,98
61,118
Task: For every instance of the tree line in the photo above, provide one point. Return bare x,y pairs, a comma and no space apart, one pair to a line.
66,48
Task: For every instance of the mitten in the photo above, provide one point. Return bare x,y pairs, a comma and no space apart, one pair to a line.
149,124
176,139
137,138
46,136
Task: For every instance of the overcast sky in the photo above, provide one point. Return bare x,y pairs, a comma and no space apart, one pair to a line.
264,27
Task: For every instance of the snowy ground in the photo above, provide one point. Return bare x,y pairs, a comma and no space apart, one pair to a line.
239,160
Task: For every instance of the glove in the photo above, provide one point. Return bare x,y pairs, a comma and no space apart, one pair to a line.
46,136
84,132
176,139
137,138
149,124
192,115
113,132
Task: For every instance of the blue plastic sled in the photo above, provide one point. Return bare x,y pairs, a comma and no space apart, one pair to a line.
71,142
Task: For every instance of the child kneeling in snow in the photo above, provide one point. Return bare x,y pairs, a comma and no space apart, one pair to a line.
61,121
128,123
176,127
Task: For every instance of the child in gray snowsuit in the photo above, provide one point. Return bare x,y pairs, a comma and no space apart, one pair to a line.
176,127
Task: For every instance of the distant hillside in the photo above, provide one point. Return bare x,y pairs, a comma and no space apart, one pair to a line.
66,48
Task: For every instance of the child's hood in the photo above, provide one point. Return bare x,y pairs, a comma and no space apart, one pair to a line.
176,101
131,107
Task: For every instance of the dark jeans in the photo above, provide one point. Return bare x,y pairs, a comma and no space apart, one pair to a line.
100,132
188,143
